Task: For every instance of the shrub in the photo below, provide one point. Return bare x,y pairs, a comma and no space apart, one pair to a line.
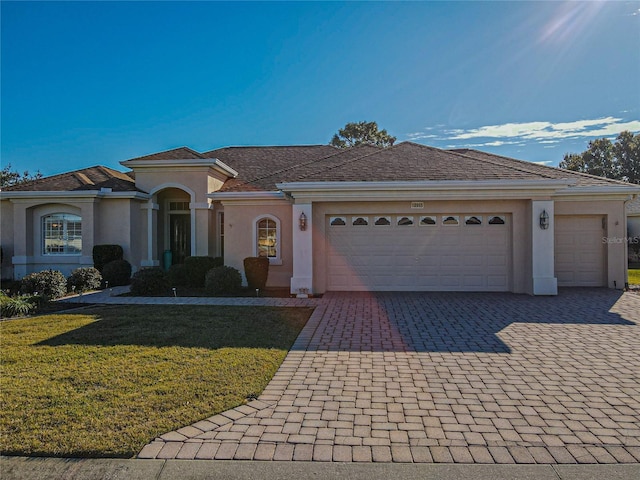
223,280
197,268
51,284
103,254
83,279
117,272
178,275
18,306
149,281
256,269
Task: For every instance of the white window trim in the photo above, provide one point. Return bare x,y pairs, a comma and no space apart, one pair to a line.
277,260
43,232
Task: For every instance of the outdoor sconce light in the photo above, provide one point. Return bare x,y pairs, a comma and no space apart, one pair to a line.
302,222
544,220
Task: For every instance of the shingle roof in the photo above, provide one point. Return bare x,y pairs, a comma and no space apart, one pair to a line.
259,168
92,178
537,169
181,153
404,161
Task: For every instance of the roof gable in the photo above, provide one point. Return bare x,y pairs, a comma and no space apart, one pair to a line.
181,153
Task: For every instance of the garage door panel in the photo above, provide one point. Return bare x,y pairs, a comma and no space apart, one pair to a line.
413,257
497,281
579,251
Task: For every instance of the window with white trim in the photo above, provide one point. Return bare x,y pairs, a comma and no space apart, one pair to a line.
268,238
61,234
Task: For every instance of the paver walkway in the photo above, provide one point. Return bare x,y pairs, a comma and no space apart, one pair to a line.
443,377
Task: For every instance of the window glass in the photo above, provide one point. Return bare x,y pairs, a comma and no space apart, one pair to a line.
62,234
383,221
475,220
428,220
450,220
405,221
497,220
360,221
267,238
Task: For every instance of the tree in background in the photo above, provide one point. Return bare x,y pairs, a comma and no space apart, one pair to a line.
10,177
619,160
361,133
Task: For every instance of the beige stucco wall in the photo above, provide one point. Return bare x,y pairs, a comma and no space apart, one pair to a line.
198,180
103,221
6,238
613,236
118,223
239,237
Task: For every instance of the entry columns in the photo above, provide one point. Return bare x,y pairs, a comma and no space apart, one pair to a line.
152,219
542,248
302,280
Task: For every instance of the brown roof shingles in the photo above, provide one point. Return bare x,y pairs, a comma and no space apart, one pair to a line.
181,153
92,178
261,168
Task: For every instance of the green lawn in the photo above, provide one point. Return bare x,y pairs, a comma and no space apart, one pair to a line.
107,380
634,276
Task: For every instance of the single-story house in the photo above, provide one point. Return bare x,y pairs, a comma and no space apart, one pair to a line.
408,217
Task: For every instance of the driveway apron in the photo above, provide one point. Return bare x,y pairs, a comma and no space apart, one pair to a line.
443,377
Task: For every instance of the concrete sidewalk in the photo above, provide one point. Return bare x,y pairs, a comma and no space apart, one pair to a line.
21,468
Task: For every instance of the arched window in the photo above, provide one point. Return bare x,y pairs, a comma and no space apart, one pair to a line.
62,234
267,238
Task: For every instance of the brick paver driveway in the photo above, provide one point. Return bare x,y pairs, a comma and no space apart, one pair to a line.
444,377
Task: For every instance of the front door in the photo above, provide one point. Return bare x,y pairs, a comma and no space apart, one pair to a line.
180,236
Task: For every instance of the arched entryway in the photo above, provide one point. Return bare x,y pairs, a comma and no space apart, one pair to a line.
175,223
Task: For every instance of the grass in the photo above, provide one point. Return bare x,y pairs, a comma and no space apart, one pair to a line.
105,381
634,276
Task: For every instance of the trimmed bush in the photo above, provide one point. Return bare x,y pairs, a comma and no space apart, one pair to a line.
149,281
51,284
256,269
178,275
103,254
84,279
117,272
223,280
197,268
19,306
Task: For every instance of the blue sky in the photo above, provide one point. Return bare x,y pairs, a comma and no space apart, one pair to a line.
88,83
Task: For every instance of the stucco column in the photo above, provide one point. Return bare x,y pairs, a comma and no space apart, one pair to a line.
88,213
21,254
302,280
200,228
542,249
152,222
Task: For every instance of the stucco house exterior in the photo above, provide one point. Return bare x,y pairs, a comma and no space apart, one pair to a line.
408,217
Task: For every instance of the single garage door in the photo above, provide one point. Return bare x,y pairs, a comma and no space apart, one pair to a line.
579,251
405,252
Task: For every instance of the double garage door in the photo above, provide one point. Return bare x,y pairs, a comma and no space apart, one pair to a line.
404,252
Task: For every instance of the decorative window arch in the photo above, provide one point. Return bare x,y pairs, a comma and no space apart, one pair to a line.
61,234
267,238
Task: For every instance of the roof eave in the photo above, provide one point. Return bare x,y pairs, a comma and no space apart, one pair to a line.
73,194
214,163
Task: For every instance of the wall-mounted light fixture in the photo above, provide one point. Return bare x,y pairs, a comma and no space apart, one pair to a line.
302,222
544,220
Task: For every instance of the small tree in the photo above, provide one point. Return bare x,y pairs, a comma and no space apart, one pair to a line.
362,133
10,177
